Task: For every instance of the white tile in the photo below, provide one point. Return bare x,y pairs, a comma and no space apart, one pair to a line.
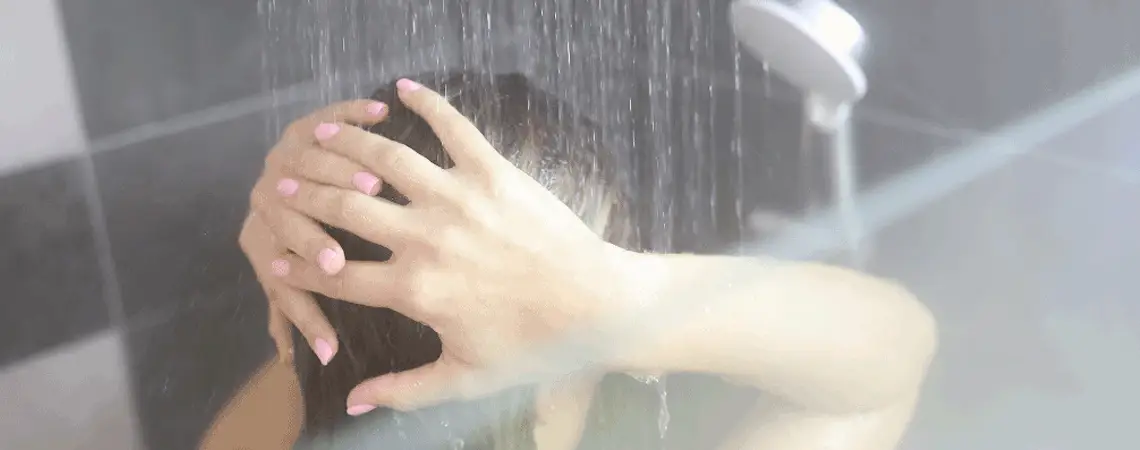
75,398
40,118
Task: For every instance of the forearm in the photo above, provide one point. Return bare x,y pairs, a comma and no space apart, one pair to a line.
773,426
822,337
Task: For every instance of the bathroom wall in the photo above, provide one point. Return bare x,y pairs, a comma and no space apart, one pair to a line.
37,73
134,128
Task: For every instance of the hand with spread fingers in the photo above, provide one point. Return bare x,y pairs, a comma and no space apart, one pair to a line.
482,253
273,229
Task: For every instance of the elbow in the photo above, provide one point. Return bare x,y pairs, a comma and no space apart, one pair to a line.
905,354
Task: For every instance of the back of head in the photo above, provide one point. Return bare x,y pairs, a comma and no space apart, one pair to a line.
547,140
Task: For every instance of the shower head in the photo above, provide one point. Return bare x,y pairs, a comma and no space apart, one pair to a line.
814,44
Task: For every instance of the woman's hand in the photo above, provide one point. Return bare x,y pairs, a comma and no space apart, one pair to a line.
483,254
272,229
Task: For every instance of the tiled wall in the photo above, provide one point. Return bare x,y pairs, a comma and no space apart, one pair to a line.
121,262
41,113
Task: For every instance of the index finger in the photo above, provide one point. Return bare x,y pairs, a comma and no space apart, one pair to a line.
362,112
463,141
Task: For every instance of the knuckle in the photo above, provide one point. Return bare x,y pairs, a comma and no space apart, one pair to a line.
346,205
304,323
312,197
273,297
325,202
497,185
274,158
243,240
469,210
256,198
358,106
448,236
423,292
396,158
296,128
333,286
410,287
313,163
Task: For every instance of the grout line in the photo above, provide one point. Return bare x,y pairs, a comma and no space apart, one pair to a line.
1102,169
203,117
112,288
887,118
295,93
112,291
897,198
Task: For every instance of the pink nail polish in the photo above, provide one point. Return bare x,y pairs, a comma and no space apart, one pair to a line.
376,108
366,183
323,350
281,267
330,261
287,187
356,410
407,85
326,130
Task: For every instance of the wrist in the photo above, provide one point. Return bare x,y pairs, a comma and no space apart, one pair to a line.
638,282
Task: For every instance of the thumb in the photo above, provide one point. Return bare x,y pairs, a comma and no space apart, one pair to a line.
423,386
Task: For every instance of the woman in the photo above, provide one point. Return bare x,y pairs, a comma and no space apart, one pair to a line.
488,254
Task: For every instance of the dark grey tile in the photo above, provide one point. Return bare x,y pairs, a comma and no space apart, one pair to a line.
174,207
884,150
724,153
928,60
138,61
978,64
1023,267
185,367
695,39
710,154
53,287
1098,41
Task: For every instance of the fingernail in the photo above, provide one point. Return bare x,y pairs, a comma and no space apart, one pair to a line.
326,130
407,85
330,261
287,187
356,410
281,267
376,108
366,182
324,351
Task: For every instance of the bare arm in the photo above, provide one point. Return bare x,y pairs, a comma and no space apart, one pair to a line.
845,353
786,427
265,414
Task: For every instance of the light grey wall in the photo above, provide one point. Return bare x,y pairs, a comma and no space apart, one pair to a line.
39,111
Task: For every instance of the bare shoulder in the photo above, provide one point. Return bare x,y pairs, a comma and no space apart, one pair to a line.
265,414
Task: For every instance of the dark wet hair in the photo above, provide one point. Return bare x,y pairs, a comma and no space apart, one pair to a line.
565,152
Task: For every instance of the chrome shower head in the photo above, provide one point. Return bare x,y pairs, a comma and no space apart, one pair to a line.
814,44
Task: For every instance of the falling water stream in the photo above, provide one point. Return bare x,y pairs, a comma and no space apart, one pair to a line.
644,70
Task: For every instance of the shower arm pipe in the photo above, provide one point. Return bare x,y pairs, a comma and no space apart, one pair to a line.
816,45
832,122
